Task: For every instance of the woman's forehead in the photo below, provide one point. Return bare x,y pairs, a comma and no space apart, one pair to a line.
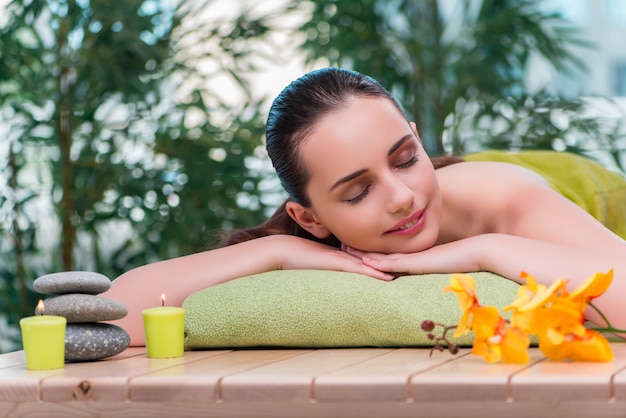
353,138
358,121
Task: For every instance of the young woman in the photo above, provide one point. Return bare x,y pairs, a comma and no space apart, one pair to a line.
364,197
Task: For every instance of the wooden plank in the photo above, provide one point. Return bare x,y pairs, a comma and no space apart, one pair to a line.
198,381
363,382
129,352
553,381
384,378
618,381
106,380
12,359
260,409
468,378
20,385
292,380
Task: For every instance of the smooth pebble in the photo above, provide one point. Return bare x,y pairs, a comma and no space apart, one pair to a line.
93,341
72,282
79,308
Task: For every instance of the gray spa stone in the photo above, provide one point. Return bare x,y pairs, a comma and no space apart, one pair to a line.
94,341
72,282
79,308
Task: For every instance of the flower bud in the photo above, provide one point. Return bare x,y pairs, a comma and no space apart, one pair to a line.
428,325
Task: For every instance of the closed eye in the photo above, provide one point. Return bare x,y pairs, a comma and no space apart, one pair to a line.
406,164
410,162
359,197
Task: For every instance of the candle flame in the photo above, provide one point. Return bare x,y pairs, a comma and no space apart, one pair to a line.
162,299
40,307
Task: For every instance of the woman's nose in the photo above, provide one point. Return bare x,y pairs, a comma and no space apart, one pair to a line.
400,196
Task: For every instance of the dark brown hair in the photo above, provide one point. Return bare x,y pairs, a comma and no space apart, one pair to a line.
293,114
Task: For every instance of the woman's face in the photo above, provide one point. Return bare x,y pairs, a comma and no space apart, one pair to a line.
372,184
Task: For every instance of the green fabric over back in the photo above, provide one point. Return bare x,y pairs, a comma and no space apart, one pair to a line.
315,308
597,190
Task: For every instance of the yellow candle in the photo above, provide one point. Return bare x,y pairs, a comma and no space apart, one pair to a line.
165,331
43,339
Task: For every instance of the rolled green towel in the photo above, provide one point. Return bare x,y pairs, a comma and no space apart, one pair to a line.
591,186
314,308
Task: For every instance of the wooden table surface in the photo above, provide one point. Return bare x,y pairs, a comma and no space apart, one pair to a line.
347,382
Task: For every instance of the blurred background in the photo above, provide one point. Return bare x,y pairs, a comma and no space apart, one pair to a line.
132,131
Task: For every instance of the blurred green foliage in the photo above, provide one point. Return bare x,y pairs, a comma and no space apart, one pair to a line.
459,68
119,148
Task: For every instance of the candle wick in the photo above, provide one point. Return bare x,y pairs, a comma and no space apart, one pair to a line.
162,302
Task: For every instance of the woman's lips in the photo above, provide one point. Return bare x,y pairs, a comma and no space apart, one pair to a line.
409,225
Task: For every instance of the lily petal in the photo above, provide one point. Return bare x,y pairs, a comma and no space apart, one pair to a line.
593,287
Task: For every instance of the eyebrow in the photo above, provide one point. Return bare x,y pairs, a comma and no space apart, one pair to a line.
362,171
398,144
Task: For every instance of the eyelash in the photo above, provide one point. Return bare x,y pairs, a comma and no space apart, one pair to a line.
408,163
414,159
360,197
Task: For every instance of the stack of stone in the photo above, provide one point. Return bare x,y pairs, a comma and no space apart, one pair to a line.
75,296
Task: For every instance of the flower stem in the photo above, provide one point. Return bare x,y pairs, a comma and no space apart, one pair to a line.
609,327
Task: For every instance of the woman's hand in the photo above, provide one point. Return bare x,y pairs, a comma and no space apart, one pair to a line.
456,257
300,253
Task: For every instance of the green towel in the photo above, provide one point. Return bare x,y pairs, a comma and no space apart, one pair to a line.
311,308
588,184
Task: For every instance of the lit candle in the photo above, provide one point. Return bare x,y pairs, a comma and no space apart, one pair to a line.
165,331
43,338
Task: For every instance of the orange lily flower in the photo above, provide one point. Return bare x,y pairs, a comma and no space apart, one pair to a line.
559,322
465,288
591,288
560,326
529,297
495,341
591,346
551,312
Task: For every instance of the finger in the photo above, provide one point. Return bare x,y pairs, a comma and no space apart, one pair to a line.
361,268
384,264
358,253
353,251
377,274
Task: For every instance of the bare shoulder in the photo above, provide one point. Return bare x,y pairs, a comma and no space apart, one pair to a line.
489,177
483,197
490,196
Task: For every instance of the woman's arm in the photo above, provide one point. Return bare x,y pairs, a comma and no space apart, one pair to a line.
177,278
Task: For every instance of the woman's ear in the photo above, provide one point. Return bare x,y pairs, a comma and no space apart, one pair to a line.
306,219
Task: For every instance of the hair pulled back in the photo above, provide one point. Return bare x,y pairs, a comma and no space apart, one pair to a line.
292,116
